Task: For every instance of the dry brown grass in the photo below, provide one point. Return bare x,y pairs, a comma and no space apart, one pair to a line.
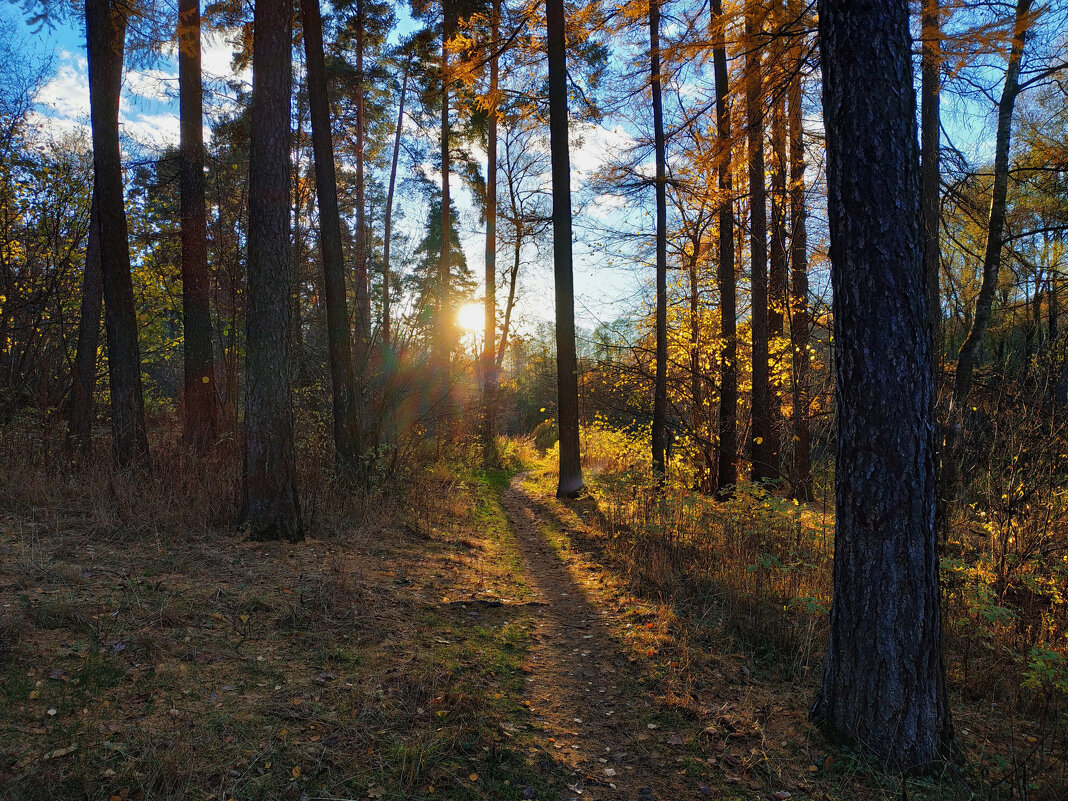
738,592
148,651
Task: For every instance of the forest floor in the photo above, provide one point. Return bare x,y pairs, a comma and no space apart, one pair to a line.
480,646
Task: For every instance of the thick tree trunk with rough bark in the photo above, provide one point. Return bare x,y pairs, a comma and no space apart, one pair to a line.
762,447
570,478
489,339
884,681
83,385
727,463
200,425
347,423
270,509
105,23
800,322
659,145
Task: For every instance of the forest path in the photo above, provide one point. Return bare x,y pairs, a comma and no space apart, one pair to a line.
588,706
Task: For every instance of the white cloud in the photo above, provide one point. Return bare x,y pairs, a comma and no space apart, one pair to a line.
66,95
158,130
597,146
147,111
217,56
604,206
58,127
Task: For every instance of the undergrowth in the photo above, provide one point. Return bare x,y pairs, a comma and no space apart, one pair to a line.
148,651
751,576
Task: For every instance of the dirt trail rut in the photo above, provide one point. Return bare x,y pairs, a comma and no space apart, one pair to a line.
581,686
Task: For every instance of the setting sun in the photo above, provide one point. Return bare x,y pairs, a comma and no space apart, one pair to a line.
471,318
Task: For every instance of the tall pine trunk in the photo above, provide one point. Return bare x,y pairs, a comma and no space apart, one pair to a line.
727,463
83,386
387,228
200,425
570,478
342,376
363,293
105,23
884,682
489,339
800,322
271,508
660,385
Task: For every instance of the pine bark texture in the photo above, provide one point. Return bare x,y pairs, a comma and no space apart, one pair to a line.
271,509
105,23
200,424
727,463
347,426
570,478
659,432
884,682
